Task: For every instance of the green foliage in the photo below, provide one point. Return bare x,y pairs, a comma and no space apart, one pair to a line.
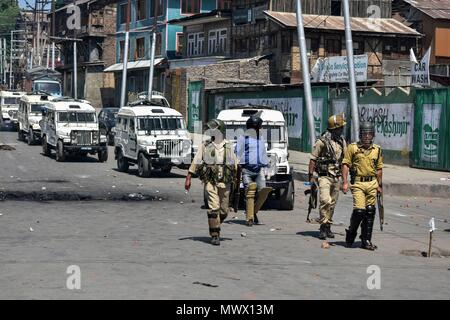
9,12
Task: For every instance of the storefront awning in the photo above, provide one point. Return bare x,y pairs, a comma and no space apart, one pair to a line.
133,65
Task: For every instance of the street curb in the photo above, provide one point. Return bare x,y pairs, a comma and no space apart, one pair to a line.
400,189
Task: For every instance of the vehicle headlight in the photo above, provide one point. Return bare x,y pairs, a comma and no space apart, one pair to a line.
95,135
186,145
159,145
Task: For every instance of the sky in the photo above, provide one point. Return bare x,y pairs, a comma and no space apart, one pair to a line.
22,3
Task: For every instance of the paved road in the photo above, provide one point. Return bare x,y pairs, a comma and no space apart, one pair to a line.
159,248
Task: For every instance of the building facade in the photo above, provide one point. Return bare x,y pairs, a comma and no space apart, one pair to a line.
168,38
95,50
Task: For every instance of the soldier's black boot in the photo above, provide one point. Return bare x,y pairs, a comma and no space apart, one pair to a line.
355,220
215,240
366,229
330,234
323,231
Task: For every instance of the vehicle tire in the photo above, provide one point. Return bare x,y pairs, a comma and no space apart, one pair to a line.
122,162
287,197
103,155
20,135
166,169
60,156
144,166
30,139
45,148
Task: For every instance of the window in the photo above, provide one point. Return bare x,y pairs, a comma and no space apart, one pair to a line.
122,49
286,42
180,43
190,6
358,47
312,45
390,45
241,45
159,8
139,52
158,46
335,7
333,47
123,13
224,4
217,41
141,9
195,44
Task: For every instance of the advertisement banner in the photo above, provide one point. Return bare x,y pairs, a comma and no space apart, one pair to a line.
393,124
431,118
335,69
420,72
290,107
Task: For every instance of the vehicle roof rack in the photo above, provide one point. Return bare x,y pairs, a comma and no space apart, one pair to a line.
69,99
251,106
145,102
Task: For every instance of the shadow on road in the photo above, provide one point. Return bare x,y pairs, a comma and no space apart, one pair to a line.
155,174
204,239
74,159
312,234
447,230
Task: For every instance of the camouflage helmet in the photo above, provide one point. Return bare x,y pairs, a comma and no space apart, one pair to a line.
216,124
367,126
336,121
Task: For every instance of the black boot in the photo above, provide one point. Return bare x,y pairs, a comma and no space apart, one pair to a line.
330,234
323,232
256,219
366,229
215,240
355,220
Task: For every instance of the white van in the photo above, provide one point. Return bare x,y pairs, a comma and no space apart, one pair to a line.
274,130
29,116
9,106
151,136
70,126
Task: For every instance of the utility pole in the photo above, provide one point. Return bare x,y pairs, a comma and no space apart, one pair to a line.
125,57
305,72
152,66
75,69
1,60
351,70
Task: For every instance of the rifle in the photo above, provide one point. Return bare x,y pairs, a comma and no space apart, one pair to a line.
312,204
380,209
237,189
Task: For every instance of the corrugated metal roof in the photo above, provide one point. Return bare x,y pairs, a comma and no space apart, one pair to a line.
367,25
436,9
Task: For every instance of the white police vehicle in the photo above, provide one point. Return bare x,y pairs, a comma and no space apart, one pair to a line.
29,116
70,127
9,106
274,131
151,136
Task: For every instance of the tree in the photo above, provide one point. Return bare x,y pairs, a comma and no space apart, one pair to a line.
9,12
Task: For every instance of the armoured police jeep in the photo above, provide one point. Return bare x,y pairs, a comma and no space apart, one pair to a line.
9,105
274,131
151,136
70,127
29,116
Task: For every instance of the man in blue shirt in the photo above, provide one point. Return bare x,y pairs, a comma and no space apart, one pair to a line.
252,155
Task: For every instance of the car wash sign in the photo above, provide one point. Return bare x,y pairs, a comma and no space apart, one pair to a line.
420,70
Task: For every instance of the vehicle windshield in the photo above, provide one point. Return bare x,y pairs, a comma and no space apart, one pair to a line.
49,87
10,100
76,117
37,108
160,123
270,133
111,114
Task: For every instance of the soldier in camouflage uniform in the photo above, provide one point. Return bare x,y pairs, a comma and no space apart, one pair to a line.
216,164
326,160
